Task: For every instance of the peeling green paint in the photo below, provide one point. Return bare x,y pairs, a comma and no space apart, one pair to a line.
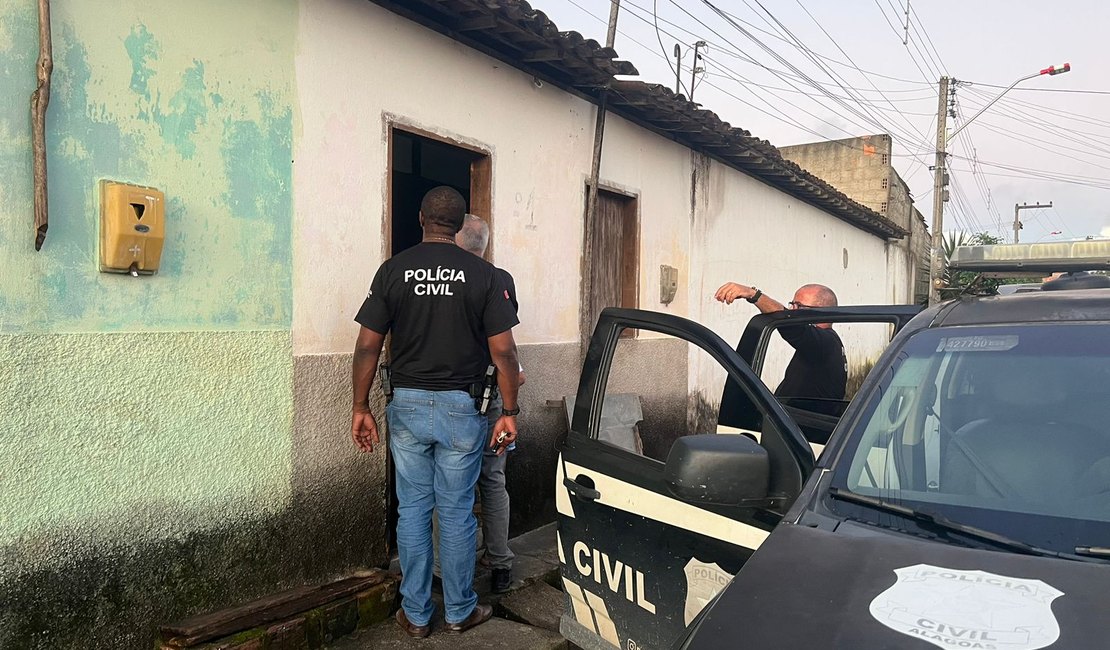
188,110
142,49
140,97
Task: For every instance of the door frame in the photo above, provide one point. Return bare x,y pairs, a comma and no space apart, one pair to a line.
481,175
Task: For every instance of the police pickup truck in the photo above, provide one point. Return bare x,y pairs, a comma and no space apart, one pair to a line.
962,500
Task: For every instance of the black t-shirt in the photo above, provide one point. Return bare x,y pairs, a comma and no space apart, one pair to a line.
819,368
510,286
441,303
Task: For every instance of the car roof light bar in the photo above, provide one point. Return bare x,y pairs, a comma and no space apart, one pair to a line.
1051,257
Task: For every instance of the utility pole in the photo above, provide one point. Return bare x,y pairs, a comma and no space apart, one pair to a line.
678,69
1025,206
940,183
694,69
611,35
906,34
589,229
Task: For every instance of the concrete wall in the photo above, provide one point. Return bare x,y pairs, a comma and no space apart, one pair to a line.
151,460
855,166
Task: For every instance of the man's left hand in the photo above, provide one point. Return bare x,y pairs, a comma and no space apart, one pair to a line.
506,424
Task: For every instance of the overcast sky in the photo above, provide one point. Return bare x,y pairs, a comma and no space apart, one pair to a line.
1035,145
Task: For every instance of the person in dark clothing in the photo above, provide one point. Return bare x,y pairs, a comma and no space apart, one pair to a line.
474,238
819,369
450,315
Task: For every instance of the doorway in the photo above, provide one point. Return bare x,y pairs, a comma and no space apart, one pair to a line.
614,267
418,162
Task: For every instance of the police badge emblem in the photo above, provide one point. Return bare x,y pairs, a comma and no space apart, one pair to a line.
969,609
703,583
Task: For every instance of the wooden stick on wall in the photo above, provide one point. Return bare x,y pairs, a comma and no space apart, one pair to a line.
40,99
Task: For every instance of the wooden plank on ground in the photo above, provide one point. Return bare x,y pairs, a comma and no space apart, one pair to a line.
277,607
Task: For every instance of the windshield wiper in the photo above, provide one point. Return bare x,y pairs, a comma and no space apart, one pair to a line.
1093,551
944,523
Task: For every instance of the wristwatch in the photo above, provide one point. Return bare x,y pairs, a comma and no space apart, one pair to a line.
755,296
515,411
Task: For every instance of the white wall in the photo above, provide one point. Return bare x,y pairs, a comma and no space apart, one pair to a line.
359,66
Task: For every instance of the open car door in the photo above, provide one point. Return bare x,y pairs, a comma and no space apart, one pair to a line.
647,542
816,417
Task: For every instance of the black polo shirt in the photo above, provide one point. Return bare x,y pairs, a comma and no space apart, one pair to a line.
819,368
441,304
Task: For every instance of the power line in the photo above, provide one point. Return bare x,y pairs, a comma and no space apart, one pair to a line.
867,101
830,59
863,115
1079,117
1025,118
852,61
1049,179
929,39
662,49
725,48
775,115
832,75
1063,224
1048,90
1039,172
895,30
775,112
1032,141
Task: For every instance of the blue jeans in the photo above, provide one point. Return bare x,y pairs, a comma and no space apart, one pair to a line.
436,438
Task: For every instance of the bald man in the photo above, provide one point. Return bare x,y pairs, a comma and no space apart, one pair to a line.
819,369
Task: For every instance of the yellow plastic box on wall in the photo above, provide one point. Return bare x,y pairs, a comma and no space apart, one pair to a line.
132,228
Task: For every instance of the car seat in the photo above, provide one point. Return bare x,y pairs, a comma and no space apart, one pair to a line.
1023,450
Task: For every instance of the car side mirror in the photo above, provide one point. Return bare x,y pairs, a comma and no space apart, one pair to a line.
718,469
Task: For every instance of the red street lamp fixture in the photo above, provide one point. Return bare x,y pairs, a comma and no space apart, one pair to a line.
1053,70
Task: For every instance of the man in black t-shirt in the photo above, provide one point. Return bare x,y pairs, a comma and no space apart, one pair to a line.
819,369
449,315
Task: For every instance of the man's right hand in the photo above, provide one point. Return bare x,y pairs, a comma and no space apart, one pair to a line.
506,424
364,430
730,291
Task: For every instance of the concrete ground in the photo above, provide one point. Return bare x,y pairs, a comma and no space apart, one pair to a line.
525,618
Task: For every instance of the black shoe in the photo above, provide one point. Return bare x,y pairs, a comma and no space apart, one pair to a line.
501,580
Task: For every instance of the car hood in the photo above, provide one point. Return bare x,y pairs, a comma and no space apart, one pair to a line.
855,588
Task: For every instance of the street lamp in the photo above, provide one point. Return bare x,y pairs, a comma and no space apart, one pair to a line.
940,173
1050,70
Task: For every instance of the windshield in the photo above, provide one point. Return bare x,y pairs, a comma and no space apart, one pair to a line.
1003,427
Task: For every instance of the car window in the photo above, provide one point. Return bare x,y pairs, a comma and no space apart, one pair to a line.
991,419
816,413
659,389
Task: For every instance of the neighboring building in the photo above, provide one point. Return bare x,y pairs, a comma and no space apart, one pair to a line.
179,443
862,168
